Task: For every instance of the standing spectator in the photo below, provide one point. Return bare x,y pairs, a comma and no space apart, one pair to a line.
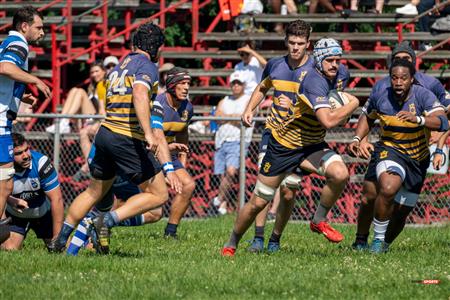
36,201
27,28
251,66
227,140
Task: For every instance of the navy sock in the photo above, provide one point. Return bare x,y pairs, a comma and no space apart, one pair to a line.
133,221
362,238
275,238
259,231
171,229
111,219
65,232
234,240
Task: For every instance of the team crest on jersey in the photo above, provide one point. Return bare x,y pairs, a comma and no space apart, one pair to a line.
302,75
267,166
383,154
184,115
11,150
339,85
412,108
34,183
320,99
146,77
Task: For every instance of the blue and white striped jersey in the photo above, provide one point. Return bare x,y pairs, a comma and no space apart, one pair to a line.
14,49
32,184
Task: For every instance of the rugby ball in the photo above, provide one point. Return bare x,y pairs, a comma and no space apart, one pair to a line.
338,99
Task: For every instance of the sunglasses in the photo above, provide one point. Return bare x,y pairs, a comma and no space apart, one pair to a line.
243,54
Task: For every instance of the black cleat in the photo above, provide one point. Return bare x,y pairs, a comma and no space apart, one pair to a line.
56,246
100,235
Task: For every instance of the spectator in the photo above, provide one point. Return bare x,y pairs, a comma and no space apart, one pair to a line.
79,101
426,20
325,4
36,201
162,77
110,62
251,66
227,140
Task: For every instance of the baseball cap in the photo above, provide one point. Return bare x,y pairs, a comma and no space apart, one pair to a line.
110,60
237,76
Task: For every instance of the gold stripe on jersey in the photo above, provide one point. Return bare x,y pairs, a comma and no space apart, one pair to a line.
406,137
170,139
285,86
174,126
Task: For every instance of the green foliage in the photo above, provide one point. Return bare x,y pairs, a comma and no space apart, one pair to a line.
177,36
145,265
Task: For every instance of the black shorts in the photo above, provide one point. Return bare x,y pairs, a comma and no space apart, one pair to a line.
117,154
43,227
412,172
281,160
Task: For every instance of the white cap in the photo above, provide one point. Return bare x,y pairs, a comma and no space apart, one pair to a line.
110,60
237,76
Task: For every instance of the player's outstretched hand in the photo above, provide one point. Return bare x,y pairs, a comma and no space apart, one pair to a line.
438,160
178,147
247,118
407,116
174,182
44,88
365,149
353,149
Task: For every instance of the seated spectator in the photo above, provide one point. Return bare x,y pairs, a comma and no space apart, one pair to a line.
251,66
426,21
327,5
36,201
110,62
162,77
79,101
227,140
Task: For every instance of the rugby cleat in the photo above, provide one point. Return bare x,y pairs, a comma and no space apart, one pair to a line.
329,232
379,247
100,235
360,245
56,246
257,245
228,251
273,247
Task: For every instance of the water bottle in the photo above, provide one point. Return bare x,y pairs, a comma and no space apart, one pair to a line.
213,124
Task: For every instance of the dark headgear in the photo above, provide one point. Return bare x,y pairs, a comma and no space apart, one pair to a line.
149,37
404,47
174,76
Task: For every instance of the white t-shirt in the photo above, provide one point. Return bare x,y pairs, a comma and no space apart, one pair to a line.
251,73
228,132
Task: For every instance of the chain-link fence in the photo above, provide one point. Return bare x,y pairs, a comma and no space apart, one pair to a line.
212,190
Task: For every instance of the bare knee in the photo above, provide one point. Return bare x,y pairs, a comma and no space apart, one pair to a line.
288,194
231,172
188,187
337,173
388,190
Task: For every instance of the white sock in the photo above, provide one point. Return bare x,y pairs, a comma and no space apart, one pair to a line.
379,229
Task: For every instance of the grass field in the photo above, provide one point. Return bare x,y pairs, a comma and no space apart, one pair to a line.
145,265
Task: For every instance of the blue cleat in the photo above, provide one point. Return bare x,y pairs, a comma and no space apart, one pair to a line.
360,245
273,247
257,245
379,247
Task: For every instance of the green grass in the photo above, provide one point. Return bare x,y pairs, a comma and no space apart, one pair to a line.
145,265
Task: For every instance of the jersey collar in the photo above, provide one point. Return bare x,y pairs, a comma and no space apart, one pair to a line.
18,34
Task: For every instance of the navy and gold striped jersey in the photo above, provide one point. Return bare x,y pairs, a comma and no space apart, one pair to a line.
172,121
300,126
279,75
121,115
408,138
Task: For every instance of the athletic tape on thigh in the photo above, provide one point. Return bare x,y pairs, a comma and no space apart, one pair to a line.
391,166
327,159
6,173
403,197
264,191
292,181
